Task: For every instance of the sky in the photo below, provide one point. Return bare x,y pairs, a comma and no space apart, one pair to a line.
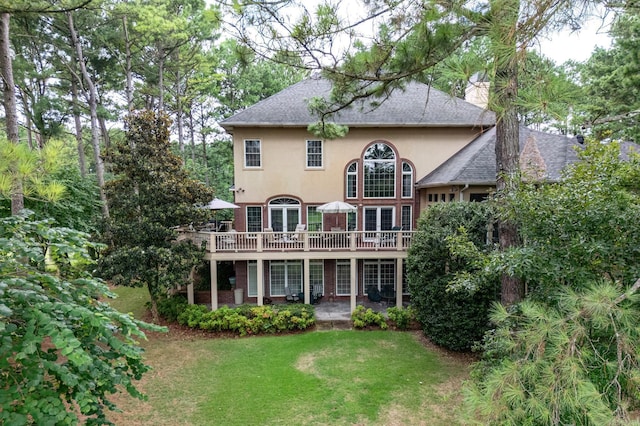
577,46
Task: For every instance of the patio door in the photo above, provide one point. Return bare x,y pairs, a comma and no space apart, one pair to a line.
284,214
377,219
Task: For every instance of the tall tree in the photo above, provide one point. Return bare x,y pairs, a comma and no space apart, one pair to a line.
149,196
611,78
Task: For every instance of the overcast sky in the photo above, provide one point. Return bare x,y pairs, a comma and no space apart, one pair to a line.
577,45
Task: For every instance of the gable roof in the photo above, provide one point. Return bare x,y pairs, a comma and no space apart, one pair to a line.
475,164
419,105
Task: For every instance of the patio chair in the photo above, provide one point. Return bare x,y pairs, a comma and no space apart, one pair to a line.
373,293
297,234
289,296
388,238
388,294
230,238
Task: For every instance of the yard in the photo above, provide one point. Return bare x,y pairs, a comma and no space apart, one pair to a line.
327,377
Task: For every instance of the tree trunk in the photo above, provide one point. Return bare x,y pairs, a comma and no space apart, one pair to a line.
505,91
128,72
179,115
160,80
93,108
203,134
82,163
10,107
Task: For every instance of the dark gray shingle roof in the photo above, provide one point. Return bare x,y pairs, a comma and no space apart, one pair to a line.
475,164
419,105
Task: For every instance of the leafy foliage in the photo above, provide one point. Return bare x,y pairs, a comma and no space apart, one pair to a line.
150,194
63,350
364,317
453,319
568,354
249,320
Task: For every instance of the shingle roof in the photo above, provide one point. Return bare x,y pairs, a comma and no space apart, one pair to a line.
475,164
419,105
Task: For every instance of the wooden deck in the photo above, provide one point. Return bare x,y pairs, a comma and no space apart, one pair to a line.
222,244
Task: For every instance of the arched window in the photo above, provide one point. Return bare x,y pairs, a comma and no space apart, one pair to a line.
379,171
407,180
352,180
284,214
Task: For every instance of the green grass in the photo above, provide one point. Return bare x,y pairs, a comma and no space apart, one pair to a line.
327,378
131,300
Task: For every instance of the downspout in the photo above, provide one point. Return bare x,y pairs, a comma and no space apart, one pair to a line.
466,186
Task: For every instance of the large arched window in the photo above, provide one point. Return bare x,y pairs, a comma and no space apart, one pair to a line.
379,171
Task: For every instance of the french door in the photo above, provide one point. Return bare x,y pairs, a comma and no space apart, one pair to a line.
378,219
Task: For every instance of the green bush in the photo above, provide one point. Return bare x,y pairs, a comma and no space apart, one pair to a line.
170,307
362,318
248,320
453,319
401,317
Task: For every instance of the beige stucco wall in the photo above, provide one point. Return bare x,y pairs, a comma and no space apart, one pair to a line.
283,170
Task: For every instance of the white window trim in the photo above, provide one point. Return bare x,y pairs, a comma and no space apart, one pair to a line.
245,153
321,166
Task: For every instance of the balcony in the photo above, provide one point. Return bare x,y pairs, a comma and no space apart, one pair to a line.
237,245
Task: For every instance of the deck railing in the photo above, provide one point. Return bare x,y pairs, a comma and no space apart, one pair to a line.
299,241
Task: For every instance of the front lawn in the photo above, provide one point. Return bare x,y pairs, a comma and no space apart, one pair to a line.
328,377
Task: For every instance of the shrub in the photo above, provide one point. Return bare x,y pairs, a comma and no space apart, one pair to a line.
170,307
401,317
362,318
247,319
453,319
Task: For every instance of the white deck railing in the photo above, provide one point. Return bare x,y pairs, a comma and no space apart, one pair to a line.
299,241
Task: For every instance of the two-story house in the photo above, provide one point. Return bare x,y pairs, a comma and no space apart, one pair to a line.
418,147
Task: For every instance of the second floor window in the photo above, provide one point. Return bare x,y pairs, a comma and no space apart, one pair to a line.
407,180
352,180
379,171
252,153
314,154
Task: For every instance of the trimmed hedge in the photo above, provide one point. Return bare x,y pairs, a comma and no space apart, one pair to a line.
249,320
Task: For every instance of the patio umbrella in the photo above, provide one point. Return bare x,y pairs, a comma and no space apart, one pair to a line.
218,204
336,207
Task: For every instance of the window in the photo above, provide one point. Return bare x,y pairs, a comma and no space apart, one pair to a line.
406,220
407,180
316,276
252,277
314,154
254,219
252,153
283,274
352,220
314,219
379,171
284,214
379,273
343,278
352,180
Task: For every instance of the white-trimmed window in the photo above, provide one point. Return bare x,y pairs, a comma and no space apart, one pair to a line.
352,180
314,219
252,278
379,273
316,276
252,153
286,273
314,154
407,180
379,171
406,219
343,278
254,218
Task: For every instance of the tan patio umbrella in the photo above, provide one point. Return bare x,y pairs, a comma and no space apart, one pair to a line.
336,207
